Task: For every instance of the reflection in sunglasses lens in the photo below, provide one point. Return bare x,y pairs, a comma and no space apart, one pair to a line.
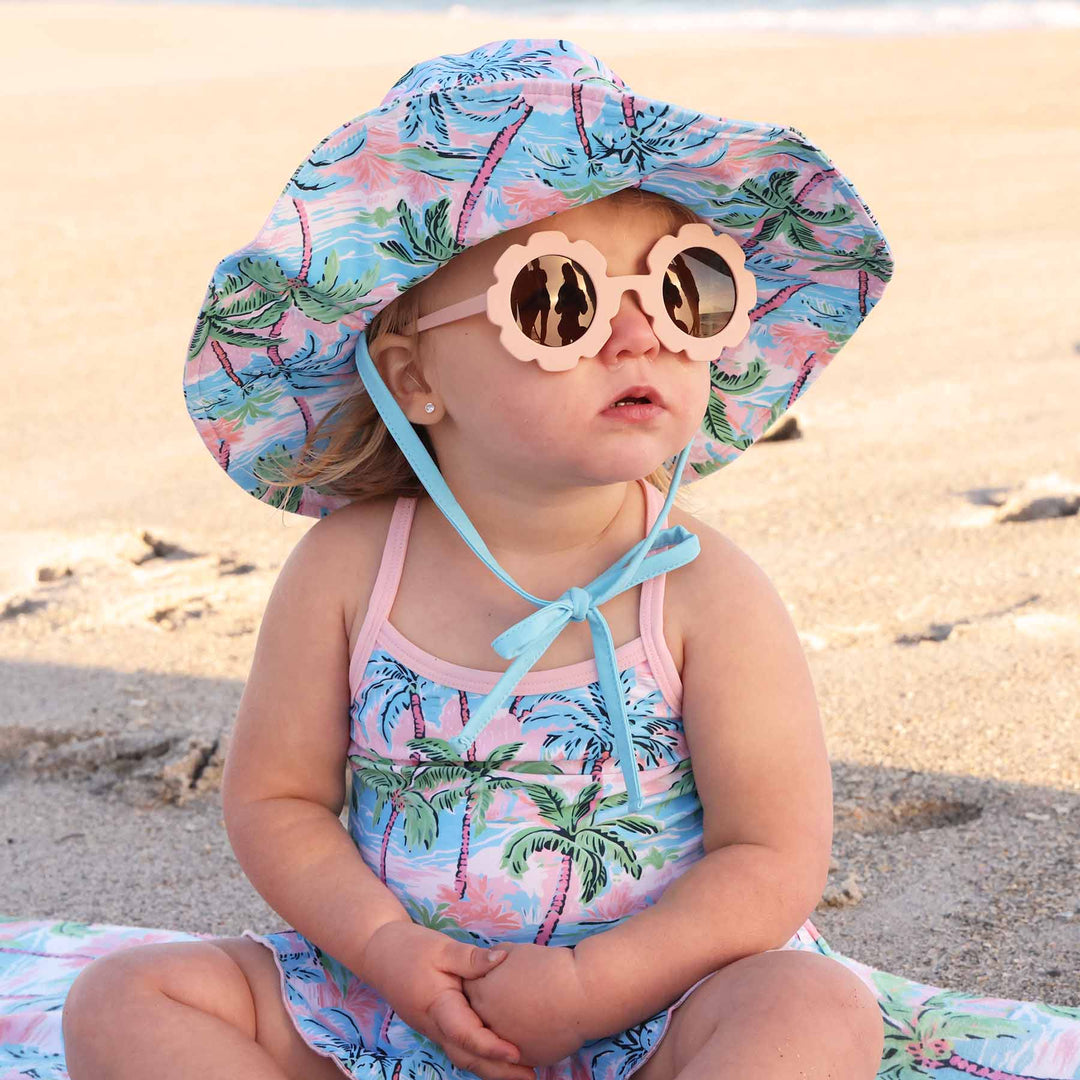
699,292
553,300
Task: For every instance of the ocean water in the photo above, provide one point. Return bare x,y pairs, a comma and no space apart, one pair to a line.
858,17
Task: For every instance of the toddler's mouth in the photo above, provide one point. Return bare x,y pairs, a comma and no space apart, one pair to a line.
633,408
636,395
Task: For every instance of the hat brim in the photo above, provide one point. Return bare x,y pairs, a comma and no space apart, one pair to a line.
394,194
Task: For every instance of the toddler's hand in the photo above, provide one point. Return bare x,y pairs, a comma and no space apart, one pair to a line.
419,971
535,999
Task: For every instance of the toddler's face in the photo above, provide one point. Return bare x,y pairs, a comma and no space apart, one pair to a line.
498,413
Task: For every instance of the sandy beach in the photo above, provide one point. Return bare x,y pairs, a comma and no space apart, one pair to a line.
922,527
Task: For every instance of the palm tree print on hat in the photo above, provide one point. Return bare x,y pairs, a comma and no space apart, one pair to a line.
429,243
227,318
649,138
578,177
260,294
270,464
574,833
495,154
504,63
228,314
728,383
428,117
868,258
783,213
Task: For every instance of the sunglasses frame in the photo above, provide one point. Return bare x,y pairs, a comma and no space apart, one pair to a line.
495,301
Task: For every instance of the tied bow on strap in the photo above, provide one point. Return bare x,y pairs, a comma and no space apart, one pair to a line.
526,641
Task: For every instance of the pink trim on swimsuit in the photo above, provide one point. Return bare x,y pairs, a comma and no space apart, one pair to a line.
651,619
384,589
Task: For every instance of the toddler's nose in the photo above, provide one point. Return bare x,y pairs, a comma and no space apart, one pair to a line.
631,333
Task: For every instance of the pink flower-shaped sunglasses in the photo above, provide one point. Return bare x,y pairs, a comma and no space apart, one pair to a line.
553,299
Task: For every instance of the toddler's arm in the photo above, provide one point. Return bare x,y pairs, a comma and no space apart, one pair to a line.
284,788
762,773
284,782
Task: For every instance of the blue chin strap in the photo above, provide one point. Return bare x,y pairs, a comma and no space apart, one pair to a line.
526,641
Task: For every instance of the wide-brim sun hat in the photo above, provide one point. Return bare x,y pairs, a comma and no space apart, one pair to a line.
465,147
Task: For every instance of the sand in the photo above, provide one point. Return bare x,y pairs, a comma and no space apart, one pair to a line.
942,629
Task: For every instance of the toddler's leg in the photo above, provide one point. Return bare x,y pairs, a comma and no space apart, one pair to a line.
778,1015
181,1010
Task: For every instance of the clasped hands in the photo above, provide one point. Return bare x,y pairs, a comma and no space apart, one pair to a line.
498,1012
533,999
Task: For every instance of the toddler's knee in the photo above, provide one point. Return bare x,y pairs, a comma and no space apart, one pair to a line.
836,1005
86,1007
856,1014
97,990
90,993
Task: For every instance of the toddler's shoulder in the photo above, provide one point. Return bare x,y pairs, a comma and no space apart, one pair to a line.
343,550
720,564
723,586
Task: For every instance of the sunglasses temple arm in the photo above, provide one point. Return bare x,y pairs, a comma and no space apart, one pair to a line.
473,306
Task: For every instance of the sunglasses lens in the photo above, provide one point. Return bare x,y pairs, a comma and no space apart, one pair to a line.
699,292
553,300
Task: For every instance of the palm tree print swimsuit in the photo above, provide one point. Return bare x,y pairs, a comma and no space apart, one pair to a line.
485,847
495,846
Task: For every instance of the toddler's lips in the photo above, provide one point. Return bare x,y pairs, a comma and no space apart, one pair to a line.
633,413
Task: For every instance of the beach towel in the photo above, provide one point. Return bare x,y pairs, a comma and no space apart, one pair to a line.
929,1031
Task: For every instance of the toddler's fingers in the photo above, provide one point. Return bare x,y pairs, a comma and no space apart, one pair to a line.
470,961
486,1069
457,1020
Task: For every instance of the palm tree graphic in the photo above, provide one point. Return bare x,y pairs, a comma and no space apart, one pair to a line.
396,787
495,153
326,300
406,685
592,737
429,242
682,782
260,294
650,138
472,782
229,315
784,215
574,833
351,1052
924,1041
735,383
629,1045
427,913
868,258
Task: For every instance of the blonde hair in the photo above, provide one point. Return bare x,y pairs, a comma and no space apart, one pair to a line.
361,459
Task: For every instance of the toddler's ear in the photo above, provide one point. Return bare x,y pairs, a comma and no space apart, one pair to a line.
395,357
